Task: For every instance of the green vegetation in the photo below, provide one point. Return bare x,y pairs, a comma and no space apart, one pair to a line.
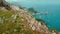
53,30
32,10
39,19
9,25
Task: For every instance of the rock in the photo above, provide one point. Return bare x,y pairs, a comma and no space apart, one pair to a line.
3,3
4,9
15,8
53,33
39,23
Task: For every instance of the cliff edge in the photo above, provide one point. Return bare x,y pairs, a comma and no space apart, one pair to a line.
14,20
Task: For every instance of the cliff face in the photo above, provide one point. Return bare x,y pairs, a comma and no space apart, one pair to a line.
19,21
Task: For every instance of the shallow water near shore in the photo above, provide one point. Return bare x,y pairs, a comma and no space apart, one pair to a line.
52,19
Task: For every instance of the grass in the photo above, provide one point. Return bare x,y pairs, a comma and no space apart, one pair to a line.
8,25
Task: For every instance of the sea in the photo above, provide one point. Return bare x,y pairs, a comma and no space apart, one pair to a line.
52,19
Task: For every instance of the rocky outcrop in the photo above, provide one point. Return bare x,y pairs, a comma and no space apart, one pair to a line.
3,3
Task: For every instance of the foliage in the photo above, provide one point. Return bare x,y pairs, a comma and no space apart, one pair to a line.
32,10
38,19
8,25
53,30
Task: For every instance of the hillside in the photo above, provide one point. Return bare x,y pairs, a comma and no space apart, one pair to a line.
14,20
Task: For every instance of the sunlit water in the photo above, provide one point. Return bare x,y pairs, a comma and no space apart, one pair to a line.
52,18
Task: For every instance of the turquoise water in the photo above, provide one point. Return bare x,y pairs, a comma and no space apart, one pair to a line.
52,18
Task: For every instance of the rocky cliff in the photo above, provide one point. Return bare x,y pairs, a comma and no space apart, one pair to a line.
14,20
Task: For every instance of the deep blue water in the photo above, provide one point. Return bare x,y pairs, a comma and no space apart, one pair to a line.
52,18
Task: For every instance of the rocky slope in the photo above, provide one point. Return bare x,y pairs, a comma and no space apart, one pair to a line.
14,20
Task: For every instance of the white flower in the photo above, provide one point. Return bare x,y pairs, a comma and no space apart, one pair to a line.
39,24
33,28
22,19
15,30
14,16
